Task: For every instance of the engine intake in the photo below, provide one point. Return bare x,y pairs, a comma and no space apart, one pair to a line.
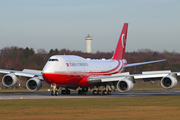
125,85
10,80
168,82
34,84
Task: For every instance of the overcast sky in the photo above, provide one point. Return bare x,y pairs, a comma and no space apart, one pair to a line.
153,24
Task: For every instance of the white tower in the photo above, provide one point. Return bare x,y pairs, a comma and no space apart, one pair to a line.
88,43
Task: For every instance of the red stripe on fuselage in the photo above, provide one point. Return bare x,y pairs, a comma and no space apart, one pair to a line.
72,80
109,72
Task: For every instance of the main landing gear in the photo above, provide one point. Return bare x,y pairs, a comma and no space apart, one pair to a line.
65,92
83,91
107,90
99,92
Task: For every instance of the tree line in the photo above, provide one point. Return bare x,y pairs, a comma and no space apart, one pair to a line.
16,58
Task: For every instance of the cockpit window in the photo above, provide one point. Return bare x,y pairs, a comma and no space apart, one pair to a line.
53,59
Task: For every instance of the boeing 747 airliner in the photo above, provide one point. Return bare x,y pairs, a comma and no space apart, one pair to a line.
72,72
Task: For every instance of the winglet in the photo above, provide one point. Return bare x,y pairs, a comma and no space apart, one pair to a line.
120,48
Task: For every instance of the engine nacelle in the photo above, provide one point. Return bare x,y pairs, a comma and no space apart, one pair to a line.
10,80
168,82
125,85
34,84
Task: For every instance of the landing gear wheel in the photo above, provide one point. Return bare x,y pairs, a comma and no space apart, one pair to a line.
109,92
104,92
68,92
63,92
84,93
94,92
52,93
80,92
99,92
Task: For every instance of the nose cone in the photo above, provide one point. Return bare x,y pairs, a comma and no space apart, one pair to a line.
48,68
49,71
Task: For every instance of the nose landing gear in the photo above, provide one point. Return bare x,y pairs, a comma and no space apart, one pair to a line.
54,91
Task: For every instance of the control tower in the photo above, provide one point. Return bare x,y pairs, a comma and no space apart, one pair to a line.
88,43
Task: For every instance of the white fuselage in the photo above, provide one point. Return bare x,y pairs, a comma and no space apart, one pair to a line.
70,67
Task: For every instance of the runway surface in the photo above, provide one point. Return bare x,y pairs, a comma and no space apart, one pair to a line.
47,95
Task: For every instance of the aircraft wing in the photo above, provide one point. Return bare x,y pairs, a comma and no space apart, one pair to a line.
25,73
11,78
151,75
142,63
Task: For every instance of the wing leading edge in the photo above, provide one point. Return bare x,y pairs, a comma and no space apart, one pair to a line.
25,73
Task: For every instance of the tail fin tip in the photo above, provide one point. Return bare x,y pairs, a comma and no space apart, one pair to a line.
121,45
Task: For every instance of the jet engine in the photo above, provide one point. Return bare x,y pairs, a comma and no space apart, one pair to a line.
9,80
125,85
168,82
34,84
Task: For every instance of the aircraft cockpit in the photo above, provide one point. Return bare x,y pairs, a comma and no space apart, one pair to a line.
53,60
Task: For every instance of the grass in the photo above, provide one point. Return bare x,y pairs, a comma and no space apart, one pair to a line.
143,108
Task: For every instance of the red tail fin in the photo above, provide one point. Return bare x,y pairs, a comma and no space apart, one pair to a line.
120,48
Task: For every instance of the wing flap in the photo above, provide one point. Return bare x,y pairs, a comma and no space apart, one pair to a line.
112,78
150,72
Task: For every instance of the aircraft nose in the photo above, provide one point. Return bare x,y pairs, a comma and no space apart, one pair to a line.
47,68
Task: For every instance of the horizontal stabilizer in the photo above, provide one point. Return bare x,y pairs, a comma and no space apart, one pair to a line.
143,63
